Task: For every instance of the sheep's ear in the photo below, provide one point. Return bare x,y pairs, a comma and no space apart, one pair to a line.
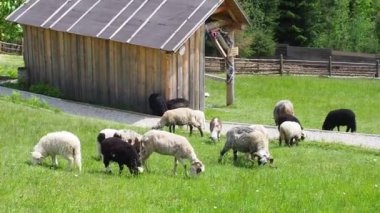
117,135
130,141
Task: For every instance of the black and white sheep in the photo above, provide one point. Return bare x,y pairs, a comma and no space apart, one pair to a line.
157,104
291,132
116,150
282,107
103,134
167,143
61,143
215,128
287,117
340,117
247,140
182,116
177,103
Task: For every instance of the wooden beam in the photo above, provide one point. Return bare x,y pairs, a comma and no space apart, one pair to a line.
230,73
220,9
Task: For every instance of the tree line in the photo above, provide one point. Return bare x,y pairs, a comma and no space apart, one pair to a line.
346,25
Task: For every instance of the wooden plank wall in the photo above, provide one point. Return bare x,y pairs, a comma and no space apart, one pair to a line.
112,73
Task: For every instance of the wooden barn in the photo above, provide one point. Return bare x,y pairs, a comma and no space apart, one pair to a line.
118,52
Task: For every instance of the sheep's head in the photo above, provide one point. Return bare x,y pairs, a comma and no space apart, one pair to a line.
197,167
263,157
37,158
303,135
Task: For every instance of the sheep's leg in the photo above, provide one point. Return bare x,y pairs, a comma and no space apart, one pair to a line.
235,155
338,128
224,150
191,129
200,130
279,141
54,160
121,167
175,166
347,129
106,162
71,162
173,128
144,158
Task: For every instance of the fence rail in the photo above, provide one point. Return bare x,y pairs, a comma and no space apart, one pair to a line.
296,67
10,48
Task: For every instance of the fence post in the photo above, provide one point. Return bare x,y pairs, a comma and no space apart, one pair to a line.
330,65
281,64
377,68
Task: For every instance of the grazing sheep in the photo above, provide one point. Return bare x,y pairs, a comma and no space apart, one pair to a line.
117,150
157,104
291,132
103,134
166,143
58,143
247,140
287,117
261,128
340,117
177,103
182,116
282,107
215,128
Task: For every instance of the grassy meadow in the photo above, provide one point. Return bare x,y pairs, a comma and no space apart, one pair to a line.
312,97
9,65
313,177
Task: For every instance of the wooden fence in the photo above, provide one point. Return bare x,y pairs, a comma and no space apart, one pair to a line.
10,48
295,67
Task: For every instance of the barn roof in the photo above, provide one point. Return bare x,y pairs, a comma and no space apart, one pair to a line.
160,24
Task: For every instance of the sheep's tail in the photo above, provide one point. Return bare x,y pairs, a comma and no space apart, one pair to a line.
78,157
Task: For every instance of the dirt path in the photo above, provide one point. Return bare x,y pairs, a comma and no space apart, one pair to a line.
143,120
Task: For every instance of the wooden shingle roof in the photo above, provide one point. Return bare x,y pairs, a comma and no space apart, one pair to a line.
159,24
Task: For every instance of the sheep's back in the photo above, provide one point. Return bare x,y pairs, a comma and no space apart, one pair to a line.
62,143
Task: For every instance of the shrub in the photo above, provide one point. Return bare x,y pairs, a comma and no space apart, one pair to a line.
45,89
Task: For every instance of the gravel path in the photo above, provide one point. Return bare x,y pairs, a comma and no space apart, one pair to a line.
144,120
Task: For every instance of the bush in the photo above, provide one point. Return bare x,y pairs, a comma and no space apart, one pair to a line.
45,89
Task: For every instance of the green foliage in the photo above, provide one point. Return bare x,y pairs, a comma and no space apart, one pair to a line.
9,32
313,98
9,65
313,176
34,101
45,89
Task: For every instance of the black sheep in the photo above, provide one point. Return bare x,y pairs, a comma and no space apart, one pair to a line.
340,117
177,103
286,117
117,150
157,104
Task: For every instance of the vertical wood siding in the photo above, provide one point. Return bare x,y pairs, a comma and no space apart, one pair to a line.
112,73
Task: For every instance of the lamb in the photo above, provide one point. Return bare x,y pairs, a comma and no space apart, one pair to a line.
182,116
215,128
58,143
287,117
340,117
117,150
282,107
166,143
177,103
291,132
157,104
247,140
103,134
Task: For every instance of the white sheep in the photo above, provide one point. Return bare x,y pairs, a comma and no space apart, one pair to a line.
282,107
247,140
58,143
182,116
215,128
103,134
166,143
291,132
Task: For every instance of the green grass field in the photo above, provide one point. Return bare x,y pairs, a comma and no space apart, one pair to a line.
312,97
9,65
313,177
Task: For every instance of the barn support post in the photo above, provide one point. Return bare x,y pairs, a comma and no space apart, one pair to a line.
230,65
330,66
377,68
281,64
